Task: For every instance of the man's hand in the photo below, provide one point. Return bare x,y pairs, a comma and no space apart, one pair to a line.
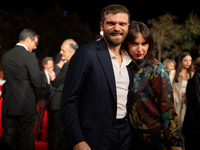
82,146
52,75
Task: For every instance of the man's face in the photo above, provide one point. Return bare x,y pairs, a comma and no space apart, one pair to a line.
49,66
33,44
65,51
115,28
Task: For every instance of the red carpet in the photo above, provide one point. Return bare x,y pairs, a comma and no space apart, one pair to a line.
41,145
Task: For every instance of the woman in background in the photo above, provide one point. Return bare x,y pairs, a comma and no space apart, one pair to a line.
179,79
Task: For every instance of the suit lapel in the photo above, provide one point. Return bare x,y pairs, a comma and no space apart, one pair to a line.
105,60
129,88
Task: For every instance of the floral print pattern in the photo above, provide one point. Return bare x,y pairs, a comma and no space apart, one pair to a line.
152,101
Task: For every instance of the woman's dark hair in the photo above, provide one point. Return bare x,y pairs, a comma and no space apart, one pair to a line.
179,66
139,27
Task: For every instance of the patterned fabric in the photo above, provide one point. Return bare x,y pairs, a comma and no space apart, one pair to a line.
152,109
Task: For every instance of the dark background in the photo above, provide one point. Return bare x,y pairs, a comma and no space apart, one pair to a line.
52,34
89,10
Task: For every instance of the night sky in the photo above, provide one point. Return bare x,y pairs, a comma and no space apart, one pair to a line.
89,11
141,10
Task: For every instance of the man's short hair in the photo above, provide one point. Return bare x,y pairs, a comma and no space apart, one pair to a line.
72,44
46,59
27,33
114,9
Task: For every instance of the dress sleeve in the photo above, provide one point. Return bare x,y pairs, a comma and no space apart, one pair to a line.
162,87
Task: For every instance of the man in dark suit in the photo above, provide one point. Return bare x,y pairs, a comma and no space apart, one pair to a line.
95,93
44,93
56,138
190,128
22,75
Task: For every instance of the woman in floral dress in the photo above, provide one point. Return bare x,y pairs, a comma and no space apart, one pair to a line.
153,118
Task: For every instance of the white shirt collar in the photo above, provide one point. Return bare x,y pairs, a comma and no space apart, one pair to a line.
47,75
126,58
20,44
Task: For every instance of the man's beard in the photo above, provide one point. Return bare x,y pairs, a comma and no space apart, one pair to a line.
63,58
113,41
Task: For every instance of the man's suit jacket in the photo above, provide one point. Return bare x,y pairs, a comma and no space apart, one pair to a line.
22,75
89,100
56,69
58,84
192,121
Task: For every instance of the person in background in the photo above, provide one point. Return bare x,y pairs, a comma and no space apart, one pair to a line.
2,80
190,128
22,75
192,67
2,84
44,93
95,93
51,124
169,64
57,139
153,118
179,79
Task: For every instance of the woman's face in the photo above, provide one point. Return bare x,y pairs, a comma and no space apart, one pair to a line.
138,48
186,62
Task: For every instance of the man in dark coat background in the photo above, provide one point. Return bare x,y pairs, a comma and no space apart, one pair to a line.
22,75
190,129
44,93
57,139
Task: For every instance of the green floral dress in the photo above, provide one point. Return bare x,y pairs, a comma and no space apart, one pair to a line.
153,118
